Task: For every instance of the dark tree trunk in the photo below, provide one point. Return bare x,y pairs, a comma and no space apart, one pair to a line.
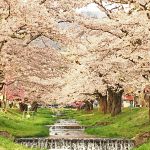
102,99
23,107
91,104
147,97
34,106
103,106
1,79
87,106
114,97
116,105
109,102
1,86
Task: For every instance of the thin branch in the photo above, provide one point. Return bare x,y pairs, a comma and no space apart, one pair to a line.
128,58
8,10
42,2
2,44
90,94
101,6
32,38
80,34
17,34
61,21
102,28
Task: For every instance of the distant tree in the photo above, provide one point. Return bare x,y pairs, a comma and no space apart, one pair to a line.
147,97
23,106
34,106
1,79
112,101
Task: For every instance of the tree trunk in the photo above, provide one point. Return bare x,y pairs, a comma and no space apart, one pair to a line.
149,110
102,103
87,106
147,97
34,106
1,79
116,105
109,102
114,99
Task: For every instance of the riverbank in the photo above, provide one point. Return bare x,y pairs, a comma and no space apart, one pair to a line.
144,147
128,124
13,123
7,144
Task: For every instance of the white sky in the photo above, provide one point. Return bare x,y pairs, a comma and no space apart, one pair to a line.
92,9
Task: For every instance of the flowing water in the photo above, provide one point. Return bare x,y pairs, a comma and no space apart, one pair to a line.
69,135
67,129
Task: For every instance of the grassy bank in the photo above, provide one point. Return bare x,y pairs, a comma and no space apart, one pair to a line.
13,123
144,147
129,123
6,144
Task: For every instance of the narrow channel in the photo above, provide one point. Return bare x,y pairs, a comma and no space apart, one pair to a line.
68,134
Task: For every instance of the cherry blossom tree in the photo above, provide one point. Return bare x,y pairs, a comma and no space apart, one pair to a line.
58,51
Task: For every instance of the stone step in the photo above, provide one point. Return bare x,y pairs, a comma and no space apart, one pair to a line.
78,143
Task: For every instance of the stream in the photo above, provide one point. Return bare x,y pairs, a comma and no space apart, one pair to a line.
68,134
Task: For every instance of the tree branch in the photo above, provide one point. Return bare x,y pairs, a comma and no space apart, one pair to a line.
104,29
2,44
42,2
102,7
32,38
8,10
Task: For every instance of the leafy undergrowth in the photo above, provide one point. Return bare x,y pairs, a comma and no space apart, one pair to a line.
6,144
127,124
13,123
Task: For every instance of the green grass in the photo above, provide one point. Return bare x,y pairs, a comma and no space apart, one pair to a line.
13,123
144,147
127,124
6,144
